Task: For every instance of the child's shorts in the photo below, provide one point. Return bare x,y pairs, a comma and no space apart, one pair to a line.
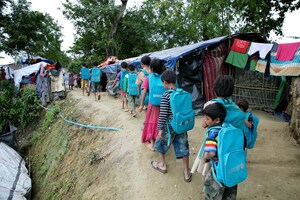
84,83
179,141
95,87
212,190
123,94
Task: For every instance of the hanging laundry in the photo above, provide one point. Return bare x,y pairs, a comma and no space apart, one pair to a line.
287,51
240,46
278,67
262,48
240,60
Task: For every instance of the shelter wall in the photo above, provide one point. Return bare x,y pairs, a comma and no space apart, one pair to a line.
253,86
295,104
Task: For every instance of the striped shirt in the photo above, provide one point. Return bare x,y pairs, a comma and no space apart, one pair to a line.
211,144
165,112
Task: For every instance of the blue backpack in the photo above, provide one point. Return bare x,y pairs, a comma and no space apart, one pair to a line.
123,74
231,168
132,88
251,134
156,89
234,115
182,110
85,73
96,75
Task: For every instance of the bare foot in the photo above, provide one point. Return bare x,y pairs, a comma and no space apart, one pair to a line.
149,146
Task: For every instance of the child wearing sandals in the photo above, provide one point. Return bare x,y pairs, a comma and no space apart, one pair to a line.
179,141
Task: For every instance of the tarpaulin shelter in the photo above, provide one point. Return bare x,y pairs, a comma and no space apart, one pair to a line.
35,59
197,66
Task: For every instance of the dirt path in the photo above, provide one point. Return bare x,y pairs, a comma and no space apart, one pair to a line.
274,164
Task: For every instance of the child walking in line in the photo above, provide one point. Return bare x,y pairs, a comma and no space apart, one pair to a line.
95,81
223,88
179,141
150,130
214,115
145,63
243,104
130,86
120,77
85,75
71,81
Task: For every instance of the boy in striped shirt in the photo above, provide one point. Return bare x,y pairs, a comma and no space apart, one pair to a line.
214,115
179,141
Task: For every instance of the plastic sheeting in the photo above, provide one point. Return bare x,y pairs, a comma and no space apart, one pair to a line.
15,183
26,71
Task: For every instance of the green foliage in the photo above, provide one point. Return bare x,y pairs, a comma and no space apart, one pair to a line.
20,110
46,123
37,33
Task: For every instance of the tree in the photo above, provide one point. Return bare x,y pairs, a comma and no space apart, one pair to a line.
37,33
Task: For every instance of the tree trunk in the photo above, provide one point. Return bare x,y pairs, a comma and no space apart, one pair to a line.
111,50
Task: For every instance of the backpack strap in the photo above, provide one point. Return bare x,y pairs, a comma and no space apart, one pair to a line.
145,72
168,123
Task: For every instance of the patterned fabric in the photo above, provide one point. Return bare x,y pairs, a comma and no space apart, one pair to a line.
212,190
211,144
165,111
213,66
280,68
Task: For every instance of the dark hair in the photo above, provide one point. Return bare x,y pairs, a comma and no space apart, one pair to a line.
146,60
95,64
224,86
84,65
157,66
124,65
243,103
169,76
215,110
131,67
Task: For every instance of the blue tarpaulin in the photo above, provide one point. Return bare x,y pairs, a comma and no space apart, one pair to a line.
168,56
37,58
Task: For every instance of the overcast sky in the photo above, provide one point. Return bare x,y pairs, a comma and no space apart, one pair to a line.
290,27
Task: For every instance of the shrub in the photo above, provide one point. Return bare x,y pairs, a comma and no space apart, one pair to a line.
21,110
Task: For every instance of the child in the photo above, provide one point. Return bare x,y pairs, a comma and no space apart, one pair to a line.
151,119
243,104
130,98
84,72
95,81
223,88
145,62
120,77
214,115
179,141
71,81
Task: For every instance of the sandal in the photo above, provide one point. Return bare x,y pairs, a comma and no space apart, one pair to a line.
155,166
189,179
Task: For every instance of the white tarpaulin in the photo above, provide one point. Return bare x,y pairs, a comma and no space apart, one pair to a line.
15,182
26,71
